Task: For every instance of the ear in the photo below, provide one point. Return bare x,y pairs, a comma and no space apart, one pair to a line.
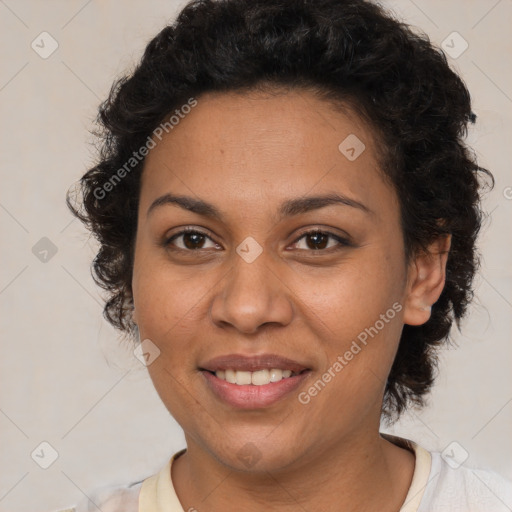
134,316
425,281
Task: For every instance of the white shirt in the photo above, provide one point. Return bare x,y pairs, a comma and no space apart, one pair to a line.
436,487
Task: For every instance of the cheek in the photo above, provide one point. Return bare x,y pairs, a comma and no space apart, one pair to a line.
167,299
180,392
354,295
170,309
362,306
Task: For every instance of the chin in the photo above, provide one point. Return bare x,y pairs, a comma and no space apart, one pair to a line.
256,452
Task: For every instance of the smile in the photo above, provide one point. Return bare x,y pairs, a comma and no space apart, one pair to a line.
253,381
256,378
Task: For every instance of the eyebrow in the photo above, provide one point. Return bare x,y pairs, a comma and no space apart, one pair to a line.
289,208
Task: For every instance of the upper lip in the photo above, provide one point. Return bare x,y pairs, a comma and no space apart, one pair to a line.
252,363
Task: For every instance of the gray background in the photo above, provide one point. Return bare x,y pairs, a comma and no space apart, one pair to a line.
66,377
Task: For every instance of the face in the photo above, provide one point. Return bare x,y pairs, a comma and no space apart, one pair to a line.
267,278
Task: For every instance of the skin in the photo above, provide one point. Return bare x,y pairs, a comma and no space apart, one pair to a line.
246,155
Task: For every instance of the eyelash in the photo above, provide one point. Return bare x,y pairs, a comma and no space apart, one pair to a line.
342,242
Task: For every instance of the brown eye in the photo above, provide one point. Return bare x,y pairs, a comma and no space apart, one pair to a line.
190,240
319,241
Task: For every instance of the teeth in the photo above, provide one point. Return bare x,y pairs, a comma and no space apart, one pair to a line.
243,378
257,378
276,375
260,377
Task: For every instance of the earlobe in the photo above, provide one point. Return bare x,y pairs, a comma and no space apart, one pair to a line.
426,279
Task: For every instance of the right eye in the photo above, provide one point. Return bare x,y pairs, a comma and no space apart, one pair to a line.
189,240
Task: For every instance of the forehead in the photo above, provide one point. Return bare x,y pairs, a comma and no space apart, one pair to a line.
262,147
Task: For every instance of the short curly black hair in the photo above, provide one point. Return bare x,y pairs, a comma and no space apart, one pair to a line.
351,51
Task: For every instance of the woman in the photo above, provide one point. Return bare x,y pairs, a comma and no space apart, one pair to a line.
287,216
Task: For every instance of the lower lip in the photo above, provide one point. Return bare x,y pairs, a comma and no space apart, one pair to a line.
250,396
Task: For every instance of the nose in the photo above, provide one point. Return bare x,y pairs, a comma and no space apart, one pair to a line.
252,295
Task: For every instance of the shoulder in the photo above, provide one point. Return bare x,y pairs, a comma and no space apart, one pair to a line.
456,488
123,498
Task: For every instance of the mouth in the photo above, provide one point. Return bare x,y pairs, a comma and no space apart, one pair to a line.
257,378
253,382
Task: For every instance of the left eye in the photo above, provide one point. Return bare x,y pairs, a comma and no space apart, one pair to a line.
319,240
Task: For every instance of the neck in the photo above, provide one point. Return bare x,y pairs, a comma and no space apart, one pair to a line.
363,473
